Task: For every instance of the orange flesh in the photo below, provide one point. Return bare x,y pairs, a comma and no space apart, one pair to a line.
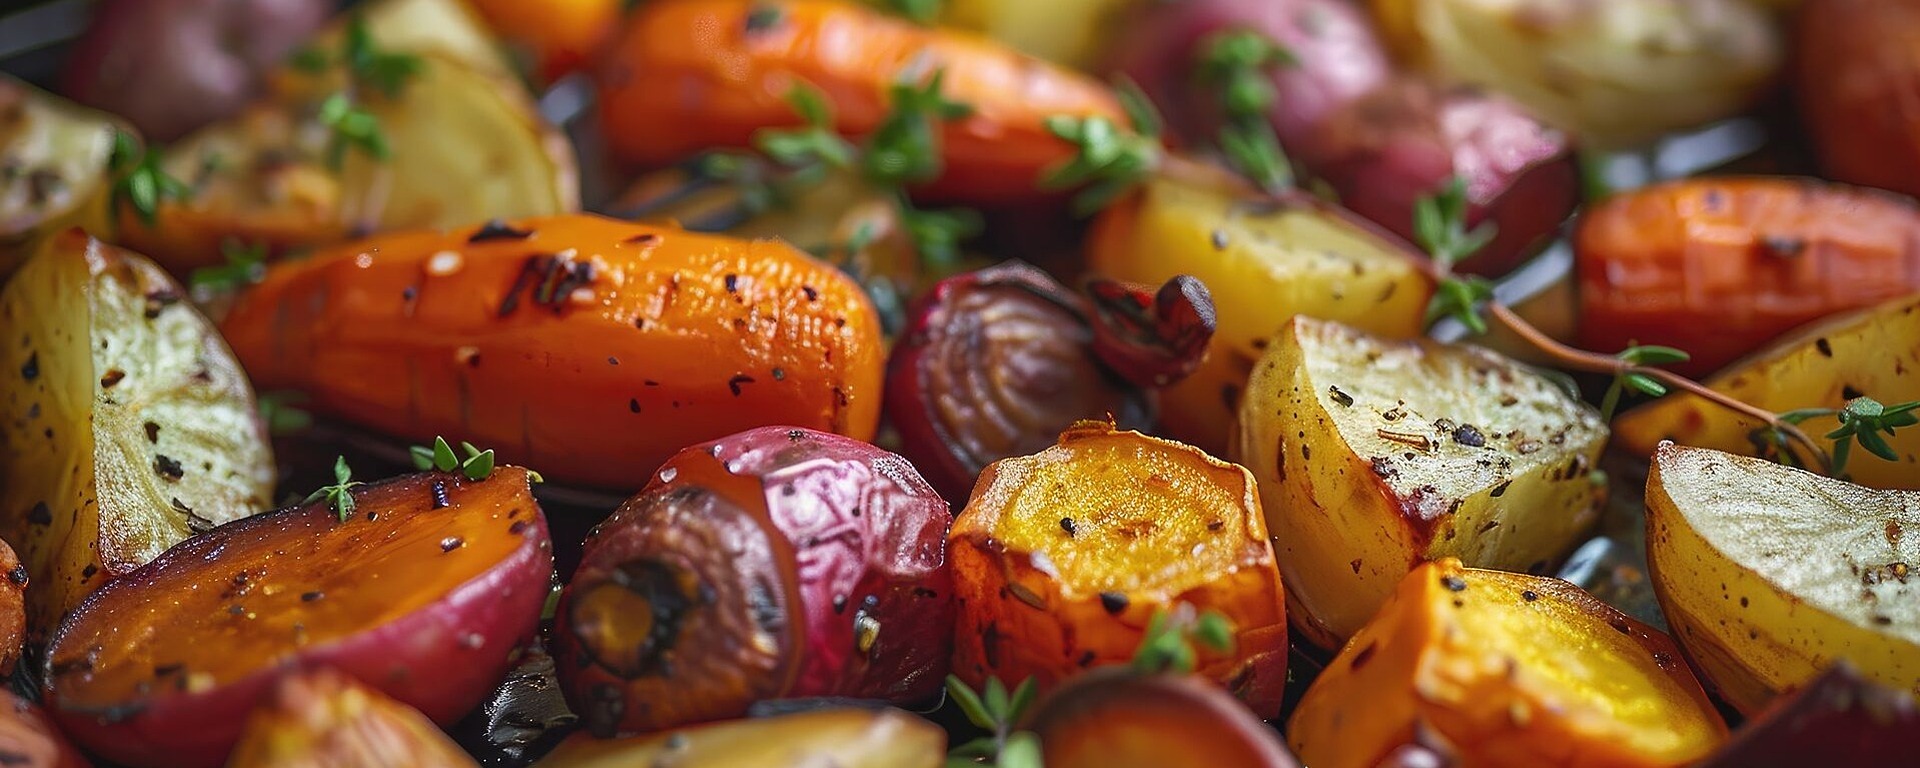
209,613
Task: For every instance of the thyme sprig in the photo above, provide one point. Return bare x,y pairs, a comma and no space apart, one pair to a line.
350,126
477,465
1237,63
138,179
339,496
996,711
1173,638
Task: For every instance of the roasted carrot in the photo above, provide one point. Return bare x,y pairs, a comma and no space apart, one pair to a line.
559,36
1718,267
689,75
1856,71
588,348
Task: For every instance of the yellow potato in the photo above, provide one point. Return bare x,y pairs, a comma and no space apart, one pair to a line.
126,424
846,738
1768,574
1873,352
1070,32
1264,262
1508,670
1374,455
1614,73
53,169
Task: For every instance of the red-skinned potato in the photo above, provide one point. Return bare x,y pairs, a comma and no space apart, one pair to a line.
323,719
1857,68
842,738
423,592
170,66
1117,718
775,563
1839,718
13,608
27,740
1407,139
663,338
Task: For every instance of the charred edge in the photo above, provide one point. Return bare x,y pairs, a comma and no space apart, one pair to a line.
496,229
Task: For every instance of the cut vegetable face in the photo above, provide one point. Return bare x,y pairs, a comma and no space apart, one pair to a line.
663,338
1263,262
1374,455
56,155
1062,558
322,718
1872,352
1768,574
1509,670
423,592
127,423
776,563
1116,718
846,738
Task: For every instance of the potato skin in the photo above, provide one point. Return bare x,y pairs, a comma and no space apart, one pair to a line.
1508,670
673,338
29,740
730,63
323,719
775,563
1719,266
1857,71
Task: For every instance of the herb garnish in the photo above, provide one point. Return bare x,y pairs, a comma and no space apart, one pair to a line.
922,12
1236,62
368,68
340,494
1638,355
1439,226
139,180
1862,420
245,264
477,465
996,711
1109,160
1171,637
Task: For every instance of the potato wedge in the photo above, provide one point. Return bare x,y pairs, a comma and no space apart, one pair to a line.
323,719
1873,352
127,424
53,169
1508,670
448,28
1767,574
845,738
1374,455
1613,73
1264,262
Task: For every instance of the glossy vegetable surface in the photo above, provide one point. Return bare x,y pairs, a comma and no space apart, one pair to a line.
1120,719
423,592
1815,569
776,563
846,738
558,36
1062,558
1838,717
1720,266
1509,670
1857,73
323,719
662,338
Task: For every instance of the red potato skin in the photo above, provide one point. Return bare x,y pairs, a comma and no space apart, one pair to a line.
28,740
13,608
428,659
1857,72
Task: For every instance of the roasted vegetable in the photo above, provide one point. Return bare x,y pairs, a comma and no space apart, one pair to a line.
663,338
420,587
27,740
322,719
775,563
998,362
1263,261
730,65
54,158
845,738
1374,455
1114,718
1718,267
171,66
1405,140
1070,32
1509,670
1839,717
1856,72
1613,73
1873,352
524,717
556,36
1767,574
1062,558
127,425
13,608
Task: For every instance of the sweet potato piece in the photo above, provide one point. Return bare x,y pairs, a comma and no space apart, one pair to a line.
424,592
1116,718
1839,718
665,338
1856,72
845,738
1718,267
776,563
1061,559
1509,670
28,740
322,719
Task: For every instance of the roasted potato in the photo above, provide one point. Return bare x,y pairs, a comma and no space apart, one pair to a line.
1873,352
1767,574
423,589
13,608
775,563
171,66
663,338
731,64
845,738
127,424
54,158
28,740
1508,670
448,29
1263,261
323,719
1839,718
1117,718
1718,267
1062,558
1856,72
1069,32
1614,73
555,36
1374,455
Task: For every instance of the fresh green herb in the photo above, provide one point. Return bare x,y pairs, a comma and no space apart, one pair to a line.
385,71
922,12
281,412
1237,63
351,126
1862,422
816,143
340,494
1171,637
1140,110
1109,160
310,60
1636,356
139,181
1439,225
367,68
1463,299
937,234
244,264
477,465
905,148
995,711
